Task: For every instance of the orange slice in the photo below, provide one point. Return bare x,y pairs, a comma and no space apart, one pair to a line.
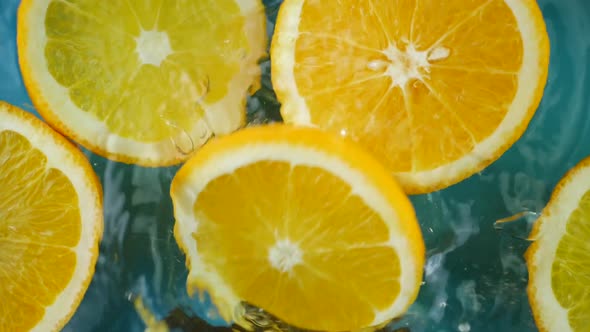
559,259
436,90
300,223
145,82
50,224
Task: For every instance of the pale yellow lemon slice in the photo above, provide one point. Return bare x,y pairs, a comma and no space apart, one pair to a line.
559,259
144,82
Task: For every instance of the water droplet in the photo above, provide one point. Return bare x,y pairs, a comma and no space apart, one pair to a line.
184,144
130,296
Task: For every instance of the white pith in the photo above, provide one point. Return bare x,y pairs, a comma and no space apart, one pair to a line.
284,255
153,47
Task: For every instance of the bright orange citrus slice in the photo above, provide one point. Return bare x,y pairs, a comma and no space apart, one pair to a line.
437,90
559,259
145,82
50,224
301,223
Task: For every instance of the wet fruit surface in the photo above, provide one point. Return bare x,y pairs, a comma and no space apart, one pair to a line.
475,275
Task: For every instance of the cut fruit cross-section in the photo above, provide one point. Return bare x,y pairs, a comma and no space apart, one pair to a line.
301,223
137,81
50,224
559,259
436,90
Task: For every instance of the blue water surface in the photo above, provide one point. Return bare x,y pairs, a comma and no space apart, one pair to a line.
475,277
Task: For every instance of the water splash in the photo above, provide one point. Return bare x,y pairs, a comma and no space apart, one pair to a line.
257,321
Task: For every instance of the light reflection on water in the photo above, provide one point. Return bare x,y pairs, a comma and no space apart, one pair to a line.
475,277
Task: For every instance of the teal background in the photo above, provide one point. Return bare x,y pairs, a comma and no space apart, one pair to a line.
475,277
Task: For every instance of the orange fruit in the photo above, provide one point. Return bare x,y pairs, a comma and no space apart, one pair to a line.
436,90
50,224
298,222
144,82
559,259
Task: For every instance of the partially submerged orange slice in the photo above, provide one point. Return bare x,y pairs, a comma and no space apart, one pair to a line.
436,90
300,223
51,222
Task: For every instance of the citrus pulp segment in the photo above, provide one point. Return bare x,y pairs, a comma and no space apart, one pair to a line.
301,223
437,90
559,259
50,224
144,82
